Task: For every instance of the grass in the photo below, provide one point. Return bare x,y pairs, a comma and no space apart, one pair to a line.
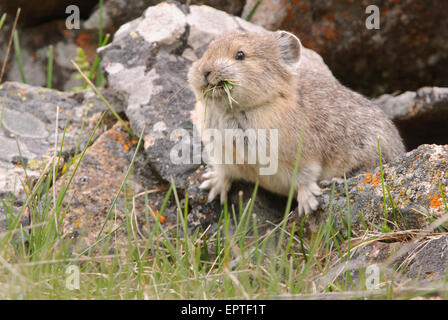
94,74
240,260
108,105
5,60
2,20
18,55
172,262
225,85
50,67
253,10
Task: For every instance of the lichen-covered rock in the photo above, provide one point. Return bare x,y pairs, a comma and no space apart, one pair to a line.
428,260
28,126
408,263
97,182
420,116
118,12
408,51
415,185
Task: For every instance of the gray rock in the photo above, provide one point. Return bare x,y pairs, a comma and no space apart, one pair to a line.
95,185
420,116
414,182
428,261
118,12
34,46
412,264
27,131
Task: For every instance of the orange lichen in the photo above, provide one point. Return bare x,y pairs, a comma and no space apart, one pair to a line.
121,138
156,213
77,223
435,201
374,180
84,39
368,178
329,33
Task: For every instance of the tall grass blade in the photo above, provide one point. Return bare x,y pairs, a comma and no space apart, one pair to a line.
19,55
2,20
50,67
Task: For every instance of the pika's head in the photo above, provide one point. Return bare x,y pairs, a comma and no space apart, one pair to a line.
254,68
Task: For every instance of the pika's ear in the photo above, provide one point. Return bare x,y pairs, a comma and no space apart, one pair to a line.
290,48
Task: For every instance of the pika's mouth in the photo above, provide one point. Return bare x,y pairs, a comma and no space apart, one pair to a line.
214,90
219,89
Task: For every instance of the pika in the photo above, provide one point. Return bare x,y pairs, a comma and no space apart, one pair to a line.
337,128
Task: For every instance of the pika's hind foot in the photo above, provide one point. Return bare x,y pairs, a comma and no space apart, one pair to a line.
306,197
218,183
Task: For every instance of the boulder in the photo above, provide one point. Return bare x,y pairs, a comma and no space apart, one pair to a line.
414,195
408,51
95,185
51,30
27,132
118,12
47,10
34,47
418,263
420,116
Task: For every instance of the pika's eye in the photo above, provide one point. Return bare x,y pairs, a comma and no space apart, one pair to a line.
239,55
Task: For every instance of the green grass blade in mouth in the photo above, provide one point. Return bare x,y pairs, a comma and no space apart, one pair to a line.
228,85
229,96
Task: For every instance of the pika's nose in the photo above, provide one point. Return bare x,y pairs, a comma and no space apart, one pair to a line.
206,74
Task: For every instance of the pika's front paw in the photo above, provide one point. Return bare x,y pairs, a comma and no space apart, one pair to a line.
306,197
218,183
